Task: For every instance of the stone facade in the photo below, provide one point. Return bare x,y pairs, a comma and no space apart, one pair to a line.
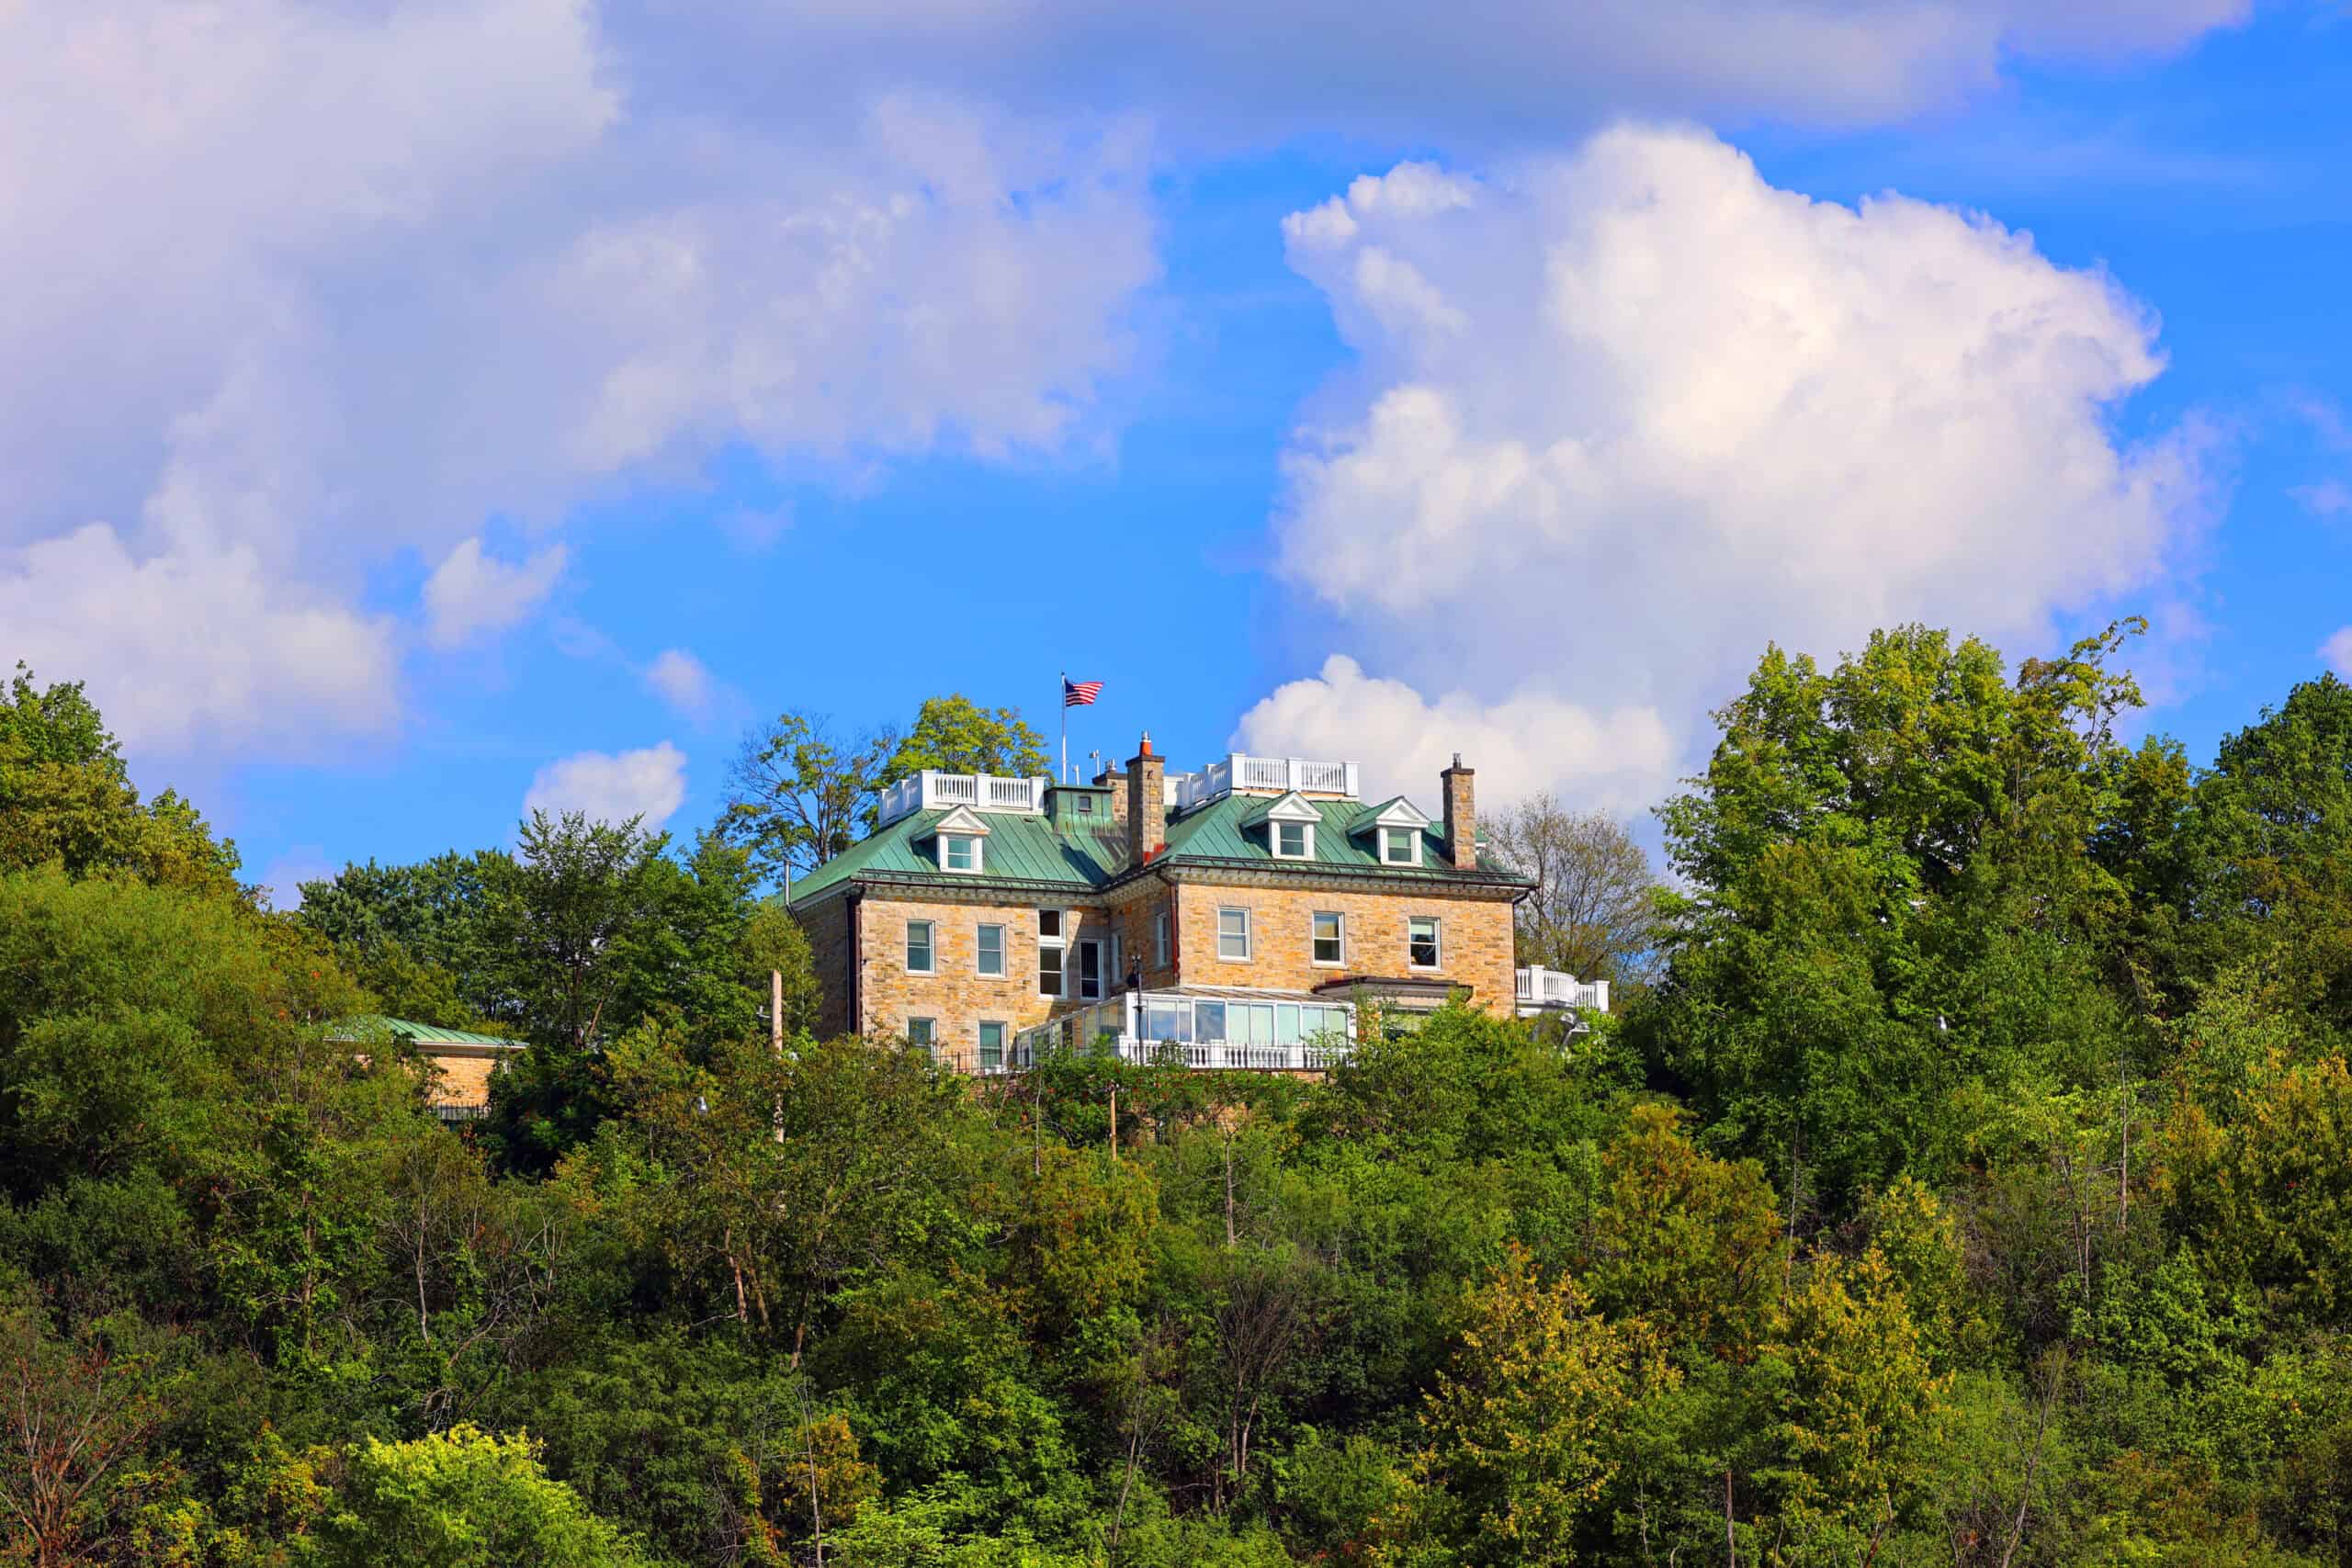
954,994
1474,949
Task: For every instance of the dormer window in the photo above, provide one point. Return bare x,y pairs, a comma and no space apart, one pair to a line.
961,841
1289,823
1400,846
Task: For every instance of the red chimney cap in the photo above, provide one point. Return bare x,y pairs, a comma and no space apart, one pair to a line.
1147,744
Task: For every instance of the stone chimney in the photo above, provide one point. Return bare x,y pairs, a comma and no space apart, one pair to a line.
1461,815
1147,804
1117,781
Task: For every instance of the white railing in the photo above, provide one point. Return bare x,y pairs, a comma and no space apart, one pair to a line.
931,790
1240,770
1542,987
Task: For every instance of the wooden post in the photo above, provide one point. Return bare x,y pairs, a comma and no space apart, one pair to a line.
775,1010
1114,1121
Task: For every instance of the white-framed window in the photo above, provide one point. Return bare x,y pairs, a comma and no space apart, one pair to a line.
1423,948
1052,949
1233,934
1089,969
992,1046
1159,939
1118,958
960,852
1327,938
989,945
922,956
1400,846
1293,841
924,1032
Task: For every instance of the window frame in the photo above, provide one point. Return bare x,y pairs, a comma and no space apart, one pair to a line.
980,1043
929,1040
1436,941
947,842
1306,839
1102,981
1003,969
1162,928
1409,837
1057,944
1339,939
1248,945
930,947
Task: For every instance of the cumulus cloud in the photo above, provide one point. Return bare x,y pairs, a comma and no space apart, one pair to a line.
1618,758
1620,419
684,682
339,283
194,639
2336,651
649,783
472,593
2328,498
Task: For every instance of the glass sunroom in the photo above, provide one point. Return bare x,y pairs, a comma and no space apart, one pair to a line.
1201,1026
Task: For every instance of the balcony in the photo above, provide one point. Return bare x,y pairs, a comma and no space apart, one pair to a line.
1542,990
1239,772
1213,1029
931,789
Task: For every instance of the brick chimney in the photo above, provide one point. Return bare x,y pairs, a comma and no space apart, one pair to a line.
1461,815
1147,804
1117,781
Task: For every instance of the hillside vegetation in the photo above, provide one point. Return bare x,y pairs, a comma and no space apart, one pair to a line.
1969,1183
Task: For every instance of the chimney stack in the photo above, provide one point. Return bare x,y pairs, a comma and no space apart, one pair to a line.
1147,804
1461,815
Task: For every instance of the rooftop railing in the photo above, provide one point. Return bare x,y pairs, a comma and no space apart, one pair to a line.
931,789
1267,775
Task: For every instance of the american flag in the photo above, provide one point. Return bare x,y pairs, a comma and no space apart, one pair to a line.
1080,694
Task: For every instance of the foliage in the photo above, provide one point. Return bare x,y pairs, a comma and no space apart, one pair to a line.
1594,909
1969,1186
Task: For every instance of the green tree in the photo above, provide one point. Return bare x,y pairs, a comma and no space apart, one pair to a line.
956,734
801,792
462,1498
67,797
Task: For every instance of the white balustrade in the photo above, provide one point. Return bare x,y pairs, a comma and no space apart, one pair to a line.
931,789
1542,987
1240,770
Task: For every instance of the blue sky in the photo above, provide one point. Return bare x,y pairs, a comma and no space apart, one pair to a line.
448,406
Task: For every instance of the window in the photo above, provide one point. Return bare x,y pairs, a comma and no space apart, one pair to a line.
919,953
1293,841
1233,933
1090,970
1085,806
990,948
1331,939
1420,941
1400,846
992,1047
1050,952
1118,959
959,851
924,1032
1159,939
1166,1022
1208,1021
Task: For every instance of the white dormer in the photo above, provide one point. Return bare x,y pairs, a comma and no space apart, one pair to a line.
961,841
1290,825
1395,828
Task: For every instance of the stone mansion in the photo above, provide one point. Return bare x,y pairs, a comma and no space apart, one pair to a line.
1236,915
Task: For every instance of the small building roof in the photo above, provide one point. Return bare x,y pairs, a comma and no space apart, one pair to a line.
365,1025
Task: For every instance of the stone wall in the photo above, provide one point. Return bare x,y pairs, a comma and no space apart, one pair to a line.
956,995
1475,946
826,926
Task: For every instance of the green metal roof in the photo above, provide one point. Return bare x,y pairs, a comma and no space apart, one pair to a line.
1058,852
422,1033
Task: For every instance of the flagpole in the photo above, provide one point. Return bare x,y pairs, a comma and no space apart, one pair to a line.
1062,697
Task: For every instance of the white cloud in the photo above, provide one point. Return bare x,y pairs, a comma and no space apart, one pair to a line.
339,283
2328,498
2337,652
649,783
681,680
471,592
1619,759
194,639
1677,413
1228,71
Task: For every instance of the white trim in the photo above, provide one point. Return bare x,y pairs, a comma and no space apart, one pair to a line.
1338,963
1412,836
963,819
1247,934
1275,839
929,943
1161,924
979,854
1398,813
1003,970
1437,936
1101,980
